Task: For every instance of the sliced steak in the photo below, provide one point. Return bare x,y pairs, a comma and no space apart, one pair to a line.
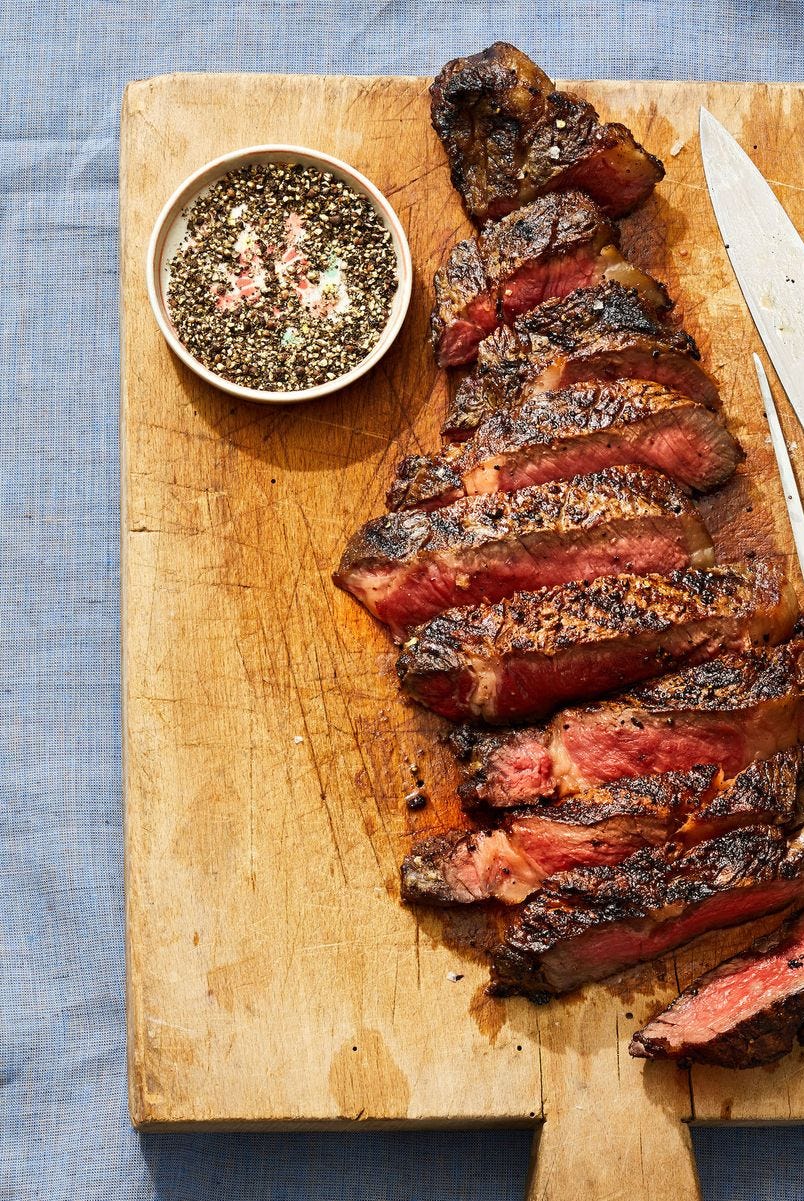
598,827
466,305
549,249
584,428
509,136
744,1013
522,658
728,712
599,334
591,922
408,567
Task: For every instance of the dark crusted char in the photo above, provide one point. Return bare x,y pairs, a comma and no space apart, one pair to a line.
465,311
556,245
600,826
599,333
591,922
728,711
522,658
744,1013
610,307
587,427
509,136
407,567
481,108
425,482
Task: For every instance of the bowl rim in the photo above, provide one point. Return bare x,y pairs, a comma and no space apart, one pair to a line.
185,193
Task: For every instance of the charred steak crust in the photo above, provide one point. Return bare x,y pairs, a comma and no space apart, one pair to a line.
731,682
555,943
509,862
481,108
607,308
602,332
769,787
457,663
407,567
564,505
760,688
509,136
547,435
552,247
424,482
555,225
766,987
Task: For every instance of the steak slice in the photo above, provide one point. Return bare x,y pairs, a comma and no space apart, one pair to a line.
522,658
601,333
744,1013
728,712
549,249
509,136
598,827
581,429
408,567
591,922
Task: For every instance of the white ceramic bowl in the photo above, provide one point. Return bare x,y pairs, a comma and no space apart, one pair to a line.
171,227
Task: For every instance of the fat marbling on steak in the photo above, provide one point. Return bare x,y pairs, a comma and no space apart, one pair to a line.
598,827
599,333
551,248
591,922
744,1013
728,711
581,429
408,567
509,137
524,657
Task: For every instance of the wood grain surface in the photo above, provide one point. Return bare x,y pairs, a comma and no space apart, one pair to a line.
274,978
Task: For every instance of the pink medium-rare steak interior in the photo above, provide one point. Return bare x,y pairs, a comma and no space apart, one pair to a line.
557,435
524,657
589,923
728,711
744,1013
553,247
600,826
597,333
510,136
510,864
407,567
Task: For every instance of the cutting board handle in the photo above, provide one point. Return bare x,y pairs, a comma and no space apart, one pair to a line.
592,1153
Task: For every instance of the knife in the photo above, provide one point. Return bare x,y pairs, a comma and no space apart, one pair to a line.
792,496
765,250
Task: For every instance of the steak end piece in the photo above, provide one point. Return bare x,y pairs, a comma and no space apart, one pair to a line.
728,712
592,922
524,657
408,567
554,246
509,137
744,1013
599,827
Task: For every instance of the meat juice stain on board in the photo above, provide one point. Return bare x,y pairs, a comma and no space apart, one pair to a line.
660,222
488,1013
364,1067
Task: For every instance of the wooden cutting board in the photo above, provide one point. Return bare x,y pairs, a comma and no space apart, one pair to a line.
274,979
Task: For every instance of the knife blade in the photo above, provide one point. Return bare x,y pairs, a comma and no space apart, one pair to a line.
792,496
765,250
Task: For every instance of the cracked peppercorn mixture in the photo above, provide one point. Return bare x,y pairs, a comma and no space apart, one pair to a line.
285,277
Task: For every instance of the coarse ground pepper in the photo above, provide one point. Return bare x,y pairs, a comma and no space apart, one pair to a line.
285,278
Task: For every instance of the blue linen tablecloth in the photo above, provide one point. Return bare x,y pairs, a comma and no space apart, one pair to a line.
64,1132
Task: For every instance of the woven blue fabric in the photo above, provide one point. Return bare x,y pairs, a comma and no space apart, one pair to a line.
64,1133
